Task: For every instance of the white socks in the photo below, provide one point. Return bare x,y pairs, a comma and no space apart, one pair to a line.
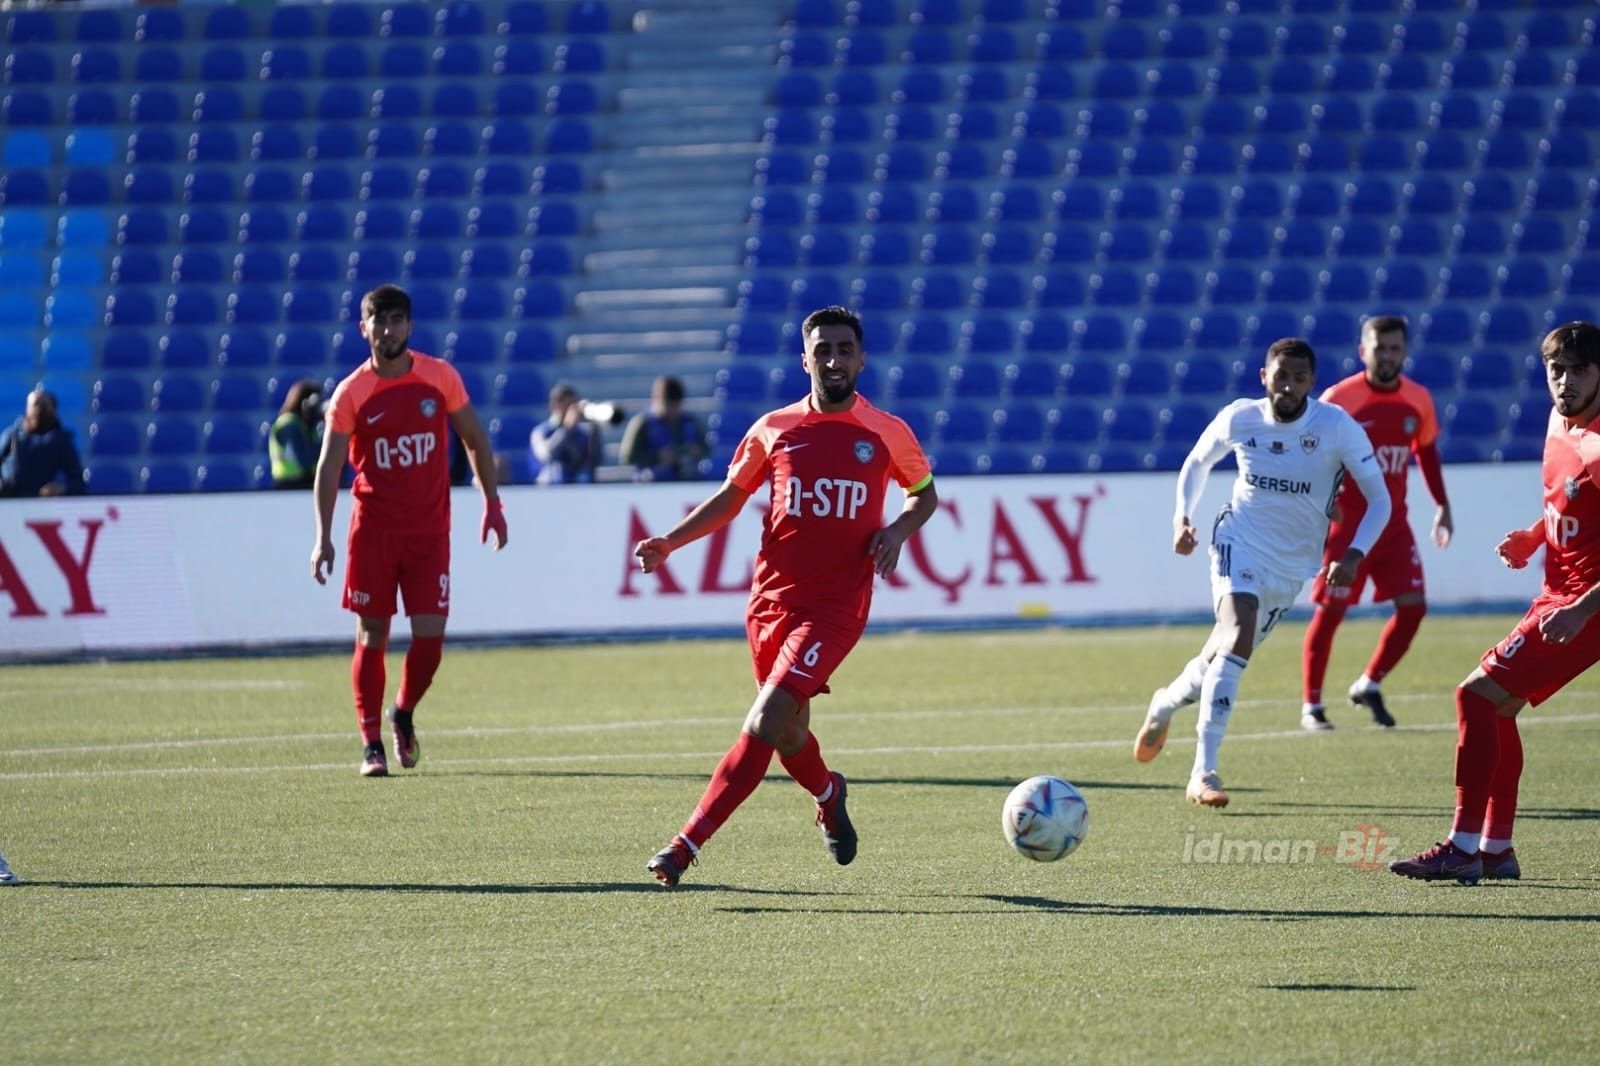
1184,689
1218,692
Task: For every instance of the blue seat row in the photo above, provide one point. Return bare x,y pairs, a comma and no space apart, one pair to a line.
458,18
223,63
197,349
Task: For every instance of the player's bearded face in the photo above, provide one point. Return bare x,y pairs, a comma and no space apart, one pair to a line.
834,361
1383,355
1574,386
1288,381
388,335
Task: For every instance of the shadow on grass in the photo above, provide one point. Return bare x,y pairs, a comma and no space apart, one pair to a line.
562,889
1547,814
1321,986
855,781
1045,905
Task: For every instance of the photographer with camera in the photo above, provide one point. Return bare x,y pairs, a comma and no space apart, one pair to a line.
296,437
566,446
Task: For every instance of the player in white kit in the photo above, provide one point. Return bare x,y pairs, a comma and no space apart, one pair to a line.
1293,453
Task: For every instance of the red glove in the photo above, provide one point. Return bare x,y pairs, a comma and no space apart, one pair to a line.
494,519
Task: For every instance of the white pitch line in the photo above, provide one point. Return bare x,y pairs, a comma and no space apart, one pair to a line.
151,684
575,728
706,756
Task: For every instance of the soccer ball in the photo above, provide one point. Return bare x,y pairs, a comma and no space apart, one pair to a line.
1045,818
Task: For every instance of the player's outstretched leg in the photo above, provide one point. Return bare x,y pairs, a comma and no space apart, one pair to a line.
1314,655
1218,695
1499,858
6,875
732,782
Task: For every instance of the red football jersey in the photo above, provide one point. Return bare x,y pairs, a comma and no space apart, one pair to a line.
1571,506
1398,421
830,475
398,443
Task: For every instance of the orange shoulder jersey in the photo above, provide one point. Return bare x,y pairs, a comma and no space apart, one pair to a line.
1400,422
398,443
830,476
1571,506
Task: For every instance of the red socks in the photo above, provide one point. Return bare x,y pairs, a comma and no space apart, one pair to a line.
808,769
1502,809
1395,639
1477,752
1317,648
422,659
367,677
735,777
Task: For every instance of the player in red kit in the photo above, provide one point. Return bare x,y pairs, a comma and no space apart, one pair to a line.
389,418
1555,641
829,458
1398,416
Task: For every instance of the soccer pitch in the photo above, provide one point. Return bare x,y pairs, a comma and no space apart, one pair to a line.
207,878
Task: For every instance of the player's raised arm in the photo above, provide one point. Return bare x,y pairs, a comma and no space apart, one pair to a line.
714,512
324,494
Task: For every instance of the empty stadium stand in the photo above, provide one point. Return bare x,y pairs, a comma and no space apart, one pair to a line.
1071,227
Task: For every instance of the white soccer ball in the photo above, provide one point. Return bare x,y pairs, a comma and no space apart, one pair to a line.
1045,818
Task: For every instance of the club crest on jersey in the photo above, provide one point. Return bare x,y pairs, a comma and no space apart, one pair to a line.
429,406
1571,488
1308,443
864,451
1410,426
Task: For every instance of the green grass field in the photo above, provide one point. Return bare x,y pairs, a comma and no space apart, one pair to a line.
207,879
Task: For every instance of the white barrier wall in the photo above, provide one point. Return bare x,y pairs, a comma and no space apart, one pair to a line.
171,572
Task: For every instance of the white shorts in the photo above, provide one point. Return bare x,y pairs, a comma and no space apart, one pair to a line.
1235,571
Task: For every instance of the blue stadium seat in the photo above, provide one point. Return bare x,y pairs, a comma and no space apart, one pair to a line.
185,350
114,437
1472,418
1032,377
177,394
987,335
1446,325
962,423
237,393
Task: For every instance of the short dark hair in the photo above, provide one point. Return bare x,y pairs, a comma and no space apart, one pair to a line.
1387,324
1292,348
831,316
386,298
1579,340
672,389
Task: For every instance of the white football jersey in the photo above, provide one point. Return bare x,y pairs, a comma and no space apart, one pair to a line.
1289,475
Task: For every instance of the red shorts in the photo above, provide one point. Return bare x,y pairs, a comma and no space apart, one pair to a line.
1529,668
1394,565
798,651
380,563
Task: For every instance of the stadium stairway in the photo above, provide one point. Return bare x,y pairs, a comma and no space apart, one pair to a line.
673,192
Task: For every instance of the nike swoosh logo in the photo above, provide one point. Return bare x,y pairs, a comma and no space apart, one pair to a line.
794,447
797,670
372,419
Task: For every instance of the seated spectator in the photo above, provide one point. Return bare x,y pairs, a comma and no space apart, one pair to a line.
296,438
664,443
37,454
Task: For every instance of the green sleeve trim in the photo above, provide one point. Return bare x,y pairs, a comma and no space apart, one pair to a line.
919,486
